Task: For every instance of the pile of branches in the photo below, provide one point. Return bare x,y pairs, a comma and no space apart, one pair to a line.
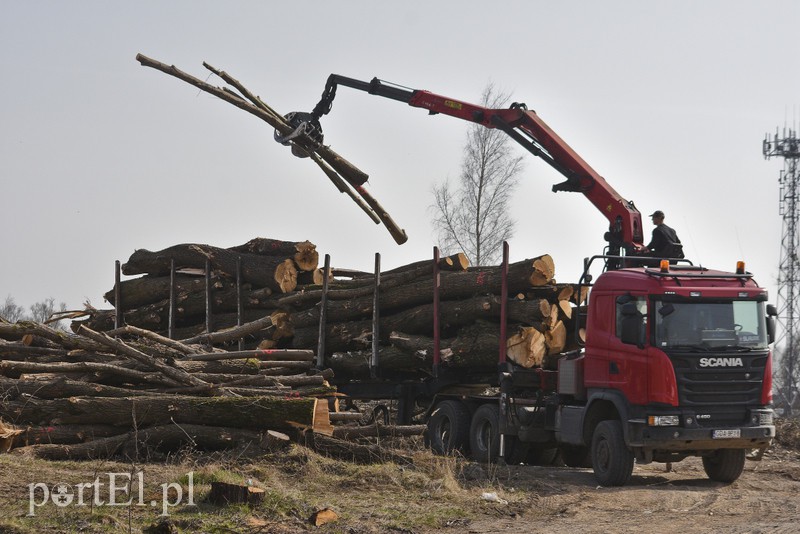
95,395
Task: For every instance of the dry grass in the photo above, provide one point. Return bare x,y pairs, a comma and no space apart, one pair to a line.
430,493
788,433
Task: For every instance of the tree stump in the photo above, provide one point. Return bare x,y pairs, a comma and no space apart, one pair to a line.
223,493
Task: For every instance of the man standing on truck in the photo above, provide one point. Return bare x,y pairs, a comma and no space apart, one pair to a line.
665,242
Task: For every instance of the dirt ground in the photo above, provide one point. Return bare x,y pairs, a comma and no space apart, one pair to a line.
432,494
563,500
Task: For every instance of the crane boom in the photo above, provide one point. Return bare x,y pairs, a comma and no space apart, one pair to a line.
526,128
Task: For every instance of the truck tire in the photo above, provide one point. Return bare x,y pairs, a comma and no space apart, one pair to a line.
612,461
484,434
725,465
448,427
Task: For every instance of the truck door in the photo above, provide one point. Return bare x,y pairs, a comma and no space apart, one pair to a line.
628,361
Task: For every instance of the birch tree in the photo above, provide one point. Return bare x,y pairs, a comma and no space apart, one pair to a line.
473,215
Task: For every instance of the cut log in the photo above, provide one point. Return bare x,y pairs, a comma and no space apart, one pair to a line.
166,438
149,289
64,434
526,347
8,434
256,413
274,355
262,271
556,338
355,364
275,441
322,517
179,375
303,253
58,386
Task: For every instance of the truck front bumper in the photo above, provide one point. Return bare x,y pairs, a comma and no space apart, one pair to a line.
689,437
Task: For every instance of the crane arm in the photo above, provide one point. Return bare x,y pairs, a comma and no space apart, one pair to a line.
531,132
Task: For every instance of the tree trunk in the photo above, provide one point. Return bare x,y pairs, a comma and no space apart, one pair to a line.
262,271
303,253
169,437
60,387
250,412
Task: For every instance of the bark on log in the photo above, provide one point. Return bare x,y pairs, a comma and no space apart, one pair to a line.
169,437
149,289
232,333
63,434
262,271
304,253
419,319
14,369
61,387
355,364
251,412
292,355
362,285
176,374
62,339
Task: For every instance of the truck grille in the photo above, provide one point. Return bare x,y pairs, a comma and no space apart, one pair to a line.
719,395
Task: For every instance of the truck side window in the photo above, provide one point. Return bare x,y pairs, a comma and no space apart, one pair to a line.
631,316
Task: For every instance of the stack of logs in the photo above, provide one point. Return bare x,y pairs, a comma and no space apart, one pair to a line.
99,390
93,395
281,291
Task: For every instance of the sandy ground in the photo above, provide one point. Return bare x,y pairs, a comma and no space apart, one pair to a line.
764,499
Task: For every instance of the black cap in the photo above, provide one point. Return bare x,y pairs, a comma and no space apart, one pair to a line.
657,213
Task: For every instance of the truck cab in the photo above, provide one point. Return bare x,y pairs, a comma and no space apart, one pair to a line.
676,364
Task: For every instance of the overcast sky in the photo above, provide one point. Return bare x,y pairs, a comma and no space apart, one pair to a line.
669,101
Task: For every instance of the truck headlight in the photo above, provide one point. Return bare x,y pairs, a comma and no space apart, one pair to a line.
663,420
765,418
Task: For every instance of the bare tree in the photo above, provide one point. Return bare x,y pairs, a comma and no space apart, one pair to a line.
473,217
41,312
11,311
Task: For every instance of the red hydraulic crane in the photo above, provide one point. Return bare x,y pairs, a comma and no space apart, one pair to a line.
521,124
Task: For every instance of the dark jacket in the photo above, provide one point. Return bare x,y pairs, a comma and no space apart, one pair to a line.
665,243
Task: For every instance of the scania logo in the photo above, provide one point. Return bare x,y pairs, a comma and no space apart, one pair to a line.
721,362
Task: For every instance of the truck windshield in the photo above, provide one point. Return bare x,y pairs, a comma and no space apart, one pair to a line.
705,326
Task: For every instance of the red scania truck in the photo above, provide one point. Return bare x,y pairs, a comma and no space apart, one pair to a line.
675,360
676,363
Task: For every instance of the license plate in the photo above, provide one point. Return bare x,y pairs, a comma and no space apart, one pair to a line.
722,434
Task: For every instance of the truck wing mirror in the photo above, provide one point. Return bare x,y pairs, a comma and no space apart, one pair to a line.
666,309
632,325
772,312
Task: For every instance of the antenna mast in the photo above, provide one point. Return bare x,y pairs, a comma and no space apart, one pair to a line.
787,343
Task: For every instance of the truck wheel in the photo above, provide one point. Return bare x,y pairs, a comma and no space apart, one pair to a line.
576,456
612,461
725,465
448,427
484,435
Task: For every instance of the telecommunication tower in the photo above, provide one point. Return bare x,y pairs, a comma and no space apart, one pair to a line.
787,343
